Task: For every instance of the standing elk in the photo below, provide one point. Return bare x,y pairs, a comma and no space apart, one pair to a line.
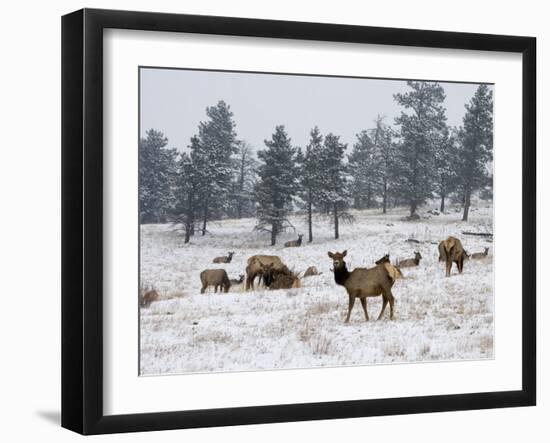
409,262
478,255
216,278
362,283
451,250
294,243
224,259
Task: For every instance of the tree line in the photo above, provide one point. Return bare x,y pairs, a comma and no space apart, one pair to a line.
418,159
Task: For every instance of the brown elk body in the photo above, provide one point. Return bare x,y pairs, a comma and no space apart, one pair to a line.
281,278
294,243
409,262
362,283
312,270
385,259
255,269
215,277
148,297
478,255
451,250
234,281
224,259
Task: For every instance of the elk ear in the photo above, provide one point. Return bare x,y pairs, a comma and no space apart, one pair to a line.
330,254
344,253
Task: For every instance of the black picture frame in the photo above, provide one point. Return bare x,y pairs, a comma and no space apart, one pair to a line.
82,218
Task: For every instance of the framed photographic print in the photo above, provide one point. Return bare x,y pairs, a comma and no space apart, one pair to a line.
269,221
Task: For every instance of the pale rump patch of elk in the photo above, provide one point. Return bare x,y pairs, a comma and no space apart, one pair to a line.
294,243
215,277
224,259
451,250
362,283
409,262
393,271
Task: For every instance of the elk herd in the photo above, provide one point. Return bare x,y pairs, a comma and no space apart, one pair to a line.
270,272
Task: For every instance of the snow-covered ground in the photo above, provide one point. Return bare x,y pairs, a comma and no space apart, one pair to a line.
436,318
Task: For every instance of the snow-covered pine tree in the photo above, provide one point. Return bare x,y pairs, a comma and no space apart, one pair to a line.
363,171
187,201
335,187
420,125
156,178
277,184
242,196
310,180
475,145
211,156
444,163
384,157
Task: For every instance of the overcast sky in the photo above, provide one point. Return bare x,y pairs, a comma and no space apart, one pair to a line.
174,101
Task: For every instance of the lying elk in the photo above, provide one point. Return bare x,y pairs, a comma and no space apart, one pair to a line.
254,267
478,255
362,283
281,278
234,281
148,297
385,259
294,243
451,250
409,262
311,271
224,259
216,278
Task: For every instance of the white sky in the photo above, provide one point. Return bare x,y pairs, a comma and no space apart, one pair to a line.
174,101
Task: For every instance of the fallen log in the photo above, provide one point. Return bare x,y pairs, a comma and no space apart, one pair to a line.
480,234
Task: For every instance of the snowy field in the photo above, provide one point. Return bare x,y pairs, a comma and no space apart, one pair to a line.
436,318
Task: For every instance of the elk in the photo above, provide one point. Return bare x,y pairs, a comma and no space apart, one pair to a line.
224,259
234,281
451,250
393,271
254,267
478,255
294,243
409,262
148,297
312,270
216,278
281,278
362,283
385,259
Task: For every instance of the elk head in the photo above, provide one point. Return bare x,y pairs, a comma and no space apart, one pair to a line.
338,259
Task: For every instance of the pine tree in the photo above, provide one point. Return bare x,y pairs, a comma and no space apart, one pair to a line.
420,127
335,190
187,202
309,173
242,195
277,184
156,178
444,161
215,145
362,168
384,153
476,145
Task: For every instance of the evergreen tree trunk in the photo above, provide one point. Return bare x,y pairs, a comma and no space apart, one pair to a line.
413,207
467,197
273,234
336,231
204,219
442,206
384,197
309,210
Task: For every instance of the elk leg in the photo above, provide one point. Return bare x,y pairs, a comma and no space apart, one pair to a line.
448,265
460,265
384,304
203,289
351,303
364,304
